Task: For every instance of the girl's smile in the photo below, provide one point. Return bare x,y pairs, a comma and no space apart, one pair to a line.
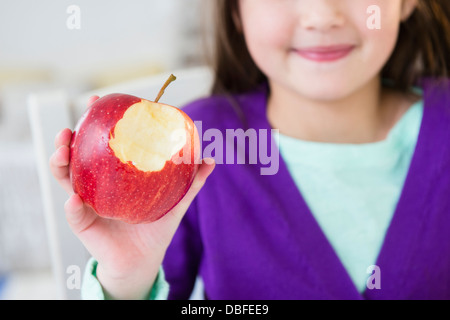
325,53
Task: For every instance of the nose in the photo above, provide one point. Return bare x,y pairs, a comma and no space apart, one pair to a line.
320,15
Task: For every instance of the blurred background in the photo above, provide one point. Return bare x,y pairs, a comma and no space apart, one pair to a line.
45,46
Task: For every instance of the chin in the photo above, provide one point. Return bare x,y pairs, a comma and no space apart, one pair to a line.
325,91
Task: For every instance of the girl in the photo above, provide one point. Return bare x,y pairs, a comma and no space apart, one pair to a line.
359,205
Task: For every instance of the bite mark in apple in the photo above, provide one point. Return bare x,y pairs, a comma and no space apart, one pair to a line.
144,136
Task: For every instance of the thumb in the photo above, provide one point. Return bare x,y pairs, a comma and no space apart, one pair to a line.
205,169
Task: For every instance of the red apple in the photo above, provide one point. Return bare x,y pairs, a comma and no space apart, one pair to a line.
132,159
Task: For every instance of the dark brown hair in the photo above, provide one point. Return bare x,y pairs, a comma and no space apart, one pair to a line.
422,50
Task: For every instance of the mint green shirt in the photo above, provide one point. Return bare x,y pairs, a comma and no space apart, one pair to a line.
92,290
353,189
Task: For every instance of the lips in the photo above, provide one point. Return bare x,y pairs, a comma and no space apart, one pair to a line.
325,53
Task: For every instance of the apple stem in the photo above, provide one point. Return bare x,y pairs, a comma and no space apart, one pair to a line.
161,92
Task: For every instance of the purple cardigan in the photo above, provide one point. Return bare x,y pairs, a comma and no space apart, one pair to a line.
252,236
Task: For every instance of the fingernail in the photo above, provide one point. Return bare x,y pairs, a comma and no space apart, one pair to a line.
209,161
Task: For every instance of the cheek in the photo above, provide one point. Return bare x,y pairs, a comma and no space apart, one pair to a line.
379,44
268,36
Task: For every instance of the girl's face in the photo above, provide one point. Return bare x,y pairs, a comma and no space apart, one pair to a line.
322,49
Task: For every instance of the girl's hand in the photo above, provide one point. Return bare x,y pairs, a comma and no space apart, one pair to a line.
129,256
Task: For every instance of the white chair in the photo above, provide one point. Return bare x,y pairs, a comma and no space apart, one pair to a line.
52,111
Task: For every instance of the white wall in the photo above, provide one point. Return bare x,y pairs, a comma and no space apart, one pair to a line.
113,34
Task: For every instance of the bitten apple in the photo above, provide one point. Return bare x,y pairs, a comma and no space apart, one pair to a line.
132,159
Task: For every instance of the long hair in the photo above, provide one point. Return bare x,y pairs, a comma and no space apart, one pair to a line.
422,50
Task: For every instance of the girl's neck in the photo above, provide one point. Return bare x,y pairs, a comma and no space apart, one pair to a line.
366,116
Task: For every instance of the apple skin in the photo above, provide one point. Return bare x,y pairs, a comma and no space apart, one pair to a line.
118,190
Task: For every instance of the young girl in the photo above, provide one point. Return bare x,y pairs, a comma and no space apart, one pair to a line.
359,206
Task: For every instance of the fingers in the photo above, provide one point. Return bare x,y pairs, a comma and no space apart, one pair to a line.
92,100
63,138
59,161
77,215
